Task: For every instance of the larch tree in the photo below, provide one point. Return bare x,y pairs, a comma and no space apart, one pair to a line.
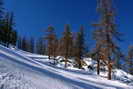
66,42
105,34
60,49
96,52
55,49
51,37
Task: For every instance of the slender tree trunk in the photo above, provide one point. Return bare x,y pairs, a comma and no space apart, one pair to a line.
66,54
109,70
49,57
98,66
66,61
80,64
54,59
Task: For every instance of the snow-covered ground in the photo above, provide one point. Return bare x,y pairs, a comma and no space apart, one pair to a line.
23,70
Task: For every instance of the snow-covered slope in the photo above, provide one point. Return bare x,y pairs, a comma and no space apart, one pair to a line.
23,70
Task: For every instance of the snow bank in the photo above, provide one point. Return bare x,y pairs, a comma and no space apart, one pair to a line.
22,70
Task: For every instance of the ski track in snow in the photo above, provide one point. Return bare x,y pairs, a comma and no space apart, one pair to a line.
23,70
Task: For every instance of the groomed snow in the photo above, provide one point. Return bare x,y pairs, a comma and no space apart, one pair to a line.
23,70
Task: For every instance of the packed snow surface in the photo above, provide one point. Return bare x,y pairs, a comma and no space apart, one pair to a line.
23,70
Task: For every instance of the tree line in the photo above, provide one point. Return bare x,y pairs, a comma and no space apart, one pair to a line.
8,34
69,45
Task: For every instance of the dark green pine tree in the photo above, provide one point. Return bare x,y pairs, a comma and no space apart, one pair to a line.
6,30
79,47
13,34
32,45
1,21
9,35
14,38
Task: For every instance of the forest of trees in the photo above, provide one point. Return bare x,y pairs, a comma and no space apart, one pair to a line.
8,34
73,45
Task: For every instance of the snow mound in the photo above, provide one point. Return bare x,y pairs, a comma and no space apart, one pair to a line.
122,76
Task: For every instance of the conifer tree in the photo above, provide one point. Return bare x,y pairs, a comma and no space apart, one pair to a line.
67,43
6,30
96,52
51,37
55,49
41,46
1,20
14,37
19,42
1,10
130,59
79,47
105,33
24,44
118,56
31,43
9,34
13,34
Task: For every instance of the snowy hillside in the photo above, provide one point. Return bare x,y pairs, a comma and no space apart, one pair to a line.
23,70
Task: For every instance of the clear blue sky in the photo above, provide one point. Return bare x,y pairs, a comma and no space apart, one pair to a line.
33,16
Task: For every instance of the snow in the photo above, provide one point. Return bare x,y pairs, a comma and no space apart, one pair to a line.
24,70
122,76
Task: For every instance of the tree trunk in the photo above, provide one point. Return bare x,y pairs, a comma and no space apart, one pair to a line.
66,61
54,59
109,70
49,57
98,66
80,64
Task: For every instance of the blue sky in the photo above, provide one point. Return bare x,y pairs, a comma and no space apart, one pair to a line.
33,16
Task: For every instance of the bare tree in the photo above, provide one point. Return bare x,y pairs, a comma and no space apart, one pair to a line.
105,33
